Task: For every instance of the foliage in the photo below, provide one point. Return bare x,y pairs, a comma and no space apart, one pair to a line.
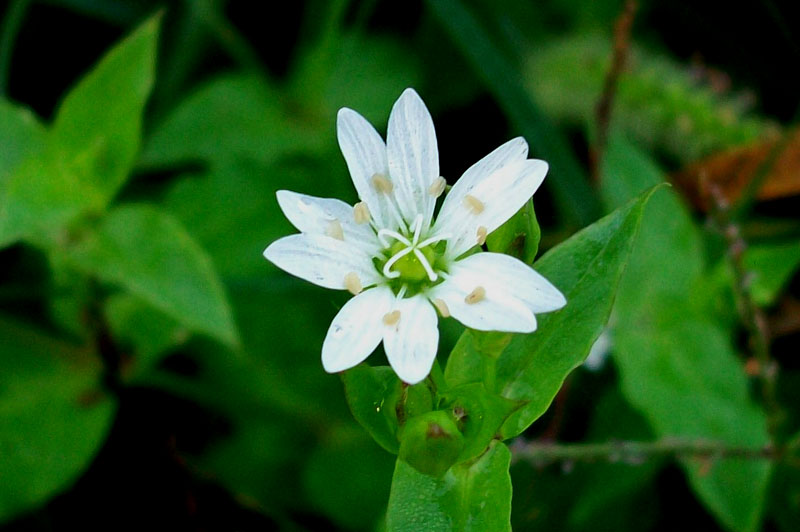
133,218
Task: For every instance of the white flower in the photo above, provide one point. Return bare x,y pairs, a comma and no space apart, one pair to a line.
402,265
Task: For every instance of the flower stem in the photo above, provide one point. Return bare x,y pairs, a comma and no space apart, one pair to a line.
635,452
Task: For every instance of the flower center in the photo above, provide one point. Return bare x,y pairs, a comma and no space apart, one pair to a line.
410,266
411,259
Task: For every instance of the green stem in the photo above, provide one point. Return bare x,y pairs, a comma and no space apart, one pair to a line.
634,452
12,23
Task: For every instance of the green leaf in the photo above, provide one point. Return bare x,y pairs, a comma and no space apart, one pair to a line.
233,116
677,365
772,266
90,149
98,126
368,390
21,136
532,367
519,236
53,413
148,253
146,332
472,497
571,189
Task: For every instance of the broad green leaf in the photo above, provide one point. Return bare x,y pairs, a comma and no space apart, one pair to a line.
244,219
532,367
21,136
235,116
571,189
472,497
148,253
53,416
368,390
677,365
41,195
519,236
98,126
143,330
89,151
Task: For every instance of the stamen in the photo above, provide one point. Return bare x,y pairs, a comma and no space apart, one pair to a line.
387,268
334,230
425,264
361,213
434,239
417,228
473,204
394,234
475,296
382,184
437,187
441,306
352,283
391,318
482,232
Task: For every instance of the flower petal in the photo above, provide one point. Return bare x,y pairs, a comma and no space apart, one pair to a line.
514,277
321,260
317,216
413,156
495,311
494,200
512,151
411,342
356,330
365,154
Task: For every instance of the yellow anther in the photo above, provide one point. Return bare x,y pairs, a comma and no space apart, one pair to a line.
361,213
352,283
441,306
334,230
437,187
482,232
473,204
382,184
391,318
475,296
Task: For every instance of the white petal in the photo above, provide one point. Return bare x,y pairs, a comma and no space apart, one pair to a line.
365,154
512,151
412,342
356,330
315,215
321,260
514,277
413,156
501,195
497,311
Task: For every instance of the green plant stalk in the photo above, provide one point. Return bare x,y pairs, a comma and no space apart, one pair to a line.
634,452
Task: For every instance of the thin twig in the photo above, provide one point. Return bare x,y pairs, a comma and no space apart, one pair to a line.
750,314
636,452
622,41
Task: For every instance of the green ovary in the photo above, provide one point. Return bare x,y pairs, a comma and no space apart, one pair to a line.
409,267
